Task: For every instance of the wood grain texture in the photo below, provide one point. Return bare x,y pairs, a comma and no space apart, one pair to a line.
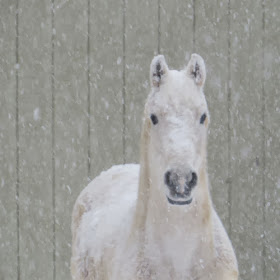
8,142
101,81
141,33
246,132
106,85
176,32
34,101
211,38
271,131
71,120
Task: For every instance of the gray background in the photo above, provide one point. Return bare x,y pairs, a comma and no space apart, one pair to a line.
73,81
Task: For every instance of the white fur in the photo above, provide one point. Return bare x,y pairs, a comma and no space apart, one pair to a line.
123,226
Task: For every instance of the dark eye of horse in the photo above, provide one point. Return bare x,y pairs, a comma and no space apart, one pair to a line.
203,118
154,119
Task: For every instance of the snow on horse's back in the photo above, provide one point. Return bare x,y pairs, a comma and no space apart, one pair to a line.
156,220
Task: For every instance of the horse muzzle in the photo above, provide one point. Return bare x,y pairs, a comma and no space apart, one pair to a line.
180,186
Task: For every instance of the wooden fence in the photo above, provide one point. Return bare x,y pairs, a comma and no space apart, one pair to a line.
73,81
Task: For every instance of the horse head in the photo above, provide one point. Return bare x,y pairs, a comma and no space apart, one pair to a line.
177,116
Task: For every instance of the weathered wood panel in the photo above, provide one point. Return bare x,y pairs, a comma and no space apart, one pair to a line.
8,142
106,85
271,135
141,44
176,31
101,81
246,136
34,101
71,121
211,39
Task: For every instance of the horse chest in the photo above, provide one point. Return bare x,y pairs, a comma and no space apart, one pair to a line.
172,251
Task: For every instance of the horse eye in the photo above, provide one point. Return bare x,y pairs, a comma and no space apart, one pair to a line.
203,118
154,119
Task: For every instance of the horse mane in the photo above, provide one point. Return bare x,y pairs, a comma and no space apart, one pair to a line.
144,182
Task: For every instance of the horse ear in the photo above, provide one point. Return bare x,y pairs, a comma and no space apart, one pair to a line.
196,70
158,71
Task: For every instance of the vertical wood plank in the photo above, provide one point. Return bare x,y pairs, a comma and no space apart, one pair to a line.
35,192
271,136
71,121
246,110
176,31
8,218
253,171
211,37
106,84
141,33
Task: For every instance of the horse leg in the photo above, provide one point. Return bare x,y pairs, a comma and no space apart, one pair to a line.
83,268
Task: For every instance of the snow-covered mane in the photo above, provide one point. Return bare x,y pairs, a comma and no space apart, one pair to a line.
156,220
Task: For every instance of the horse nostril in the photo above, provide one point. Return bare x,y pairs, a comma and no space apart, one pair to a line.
193,180
176,182
167,178
171,179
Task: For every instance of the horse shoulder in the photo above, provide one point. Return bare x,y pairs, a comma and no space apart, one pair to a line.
106,200
102,188
225,257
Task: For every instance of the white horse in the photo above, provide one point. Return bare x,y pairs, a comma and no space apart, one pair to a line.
156,220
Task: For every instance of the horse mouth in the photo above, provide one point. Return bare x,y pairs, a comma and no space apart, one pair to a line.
179,199
179,202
